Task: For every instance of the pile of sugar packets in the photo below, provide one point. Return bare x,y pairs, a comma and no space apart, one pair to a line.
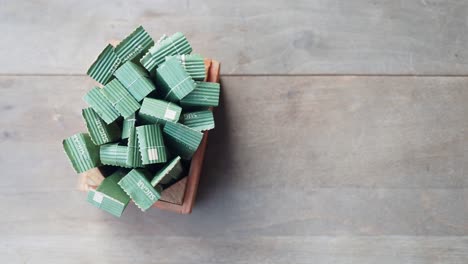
144,123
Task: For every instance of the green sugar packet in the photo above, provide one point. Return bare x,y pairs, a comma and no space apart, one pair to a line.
120,98
135,79
173,81
81,152
134,46
147,119
100,132
136,185
104,66
176,44
114,155
109,196
151,143
204,94
128,125
101,105
159,111
134,159
181,139
170,173
199,121
194,64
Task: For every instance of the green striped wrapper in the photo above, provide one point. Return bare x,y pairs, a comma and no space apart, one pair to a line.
136,185
181,139
109,196
133,151
194,64
173,80
81,152
170,173
114,155
151,143
176,44
159,110
205,94
134,46
100,132
199,121
135,79
128,125
101,105
147,119
104,66
120,98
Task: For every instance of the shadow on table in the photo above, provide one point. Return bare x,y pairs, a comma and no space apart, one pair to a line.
214,176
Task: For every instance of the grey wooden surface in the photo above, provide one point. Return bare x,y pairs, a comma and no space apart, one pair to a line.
329,169
249,37
318,155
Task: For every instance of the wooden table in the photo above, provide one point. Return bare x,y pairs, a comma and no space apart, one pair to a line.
341,135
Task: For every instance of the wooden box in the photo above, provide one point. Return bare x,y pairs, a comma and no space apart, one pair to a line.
180,197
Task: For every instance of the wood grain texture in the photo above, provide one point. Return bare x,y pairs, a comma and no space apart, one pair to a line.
261,37
335,169
234,249
175,193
